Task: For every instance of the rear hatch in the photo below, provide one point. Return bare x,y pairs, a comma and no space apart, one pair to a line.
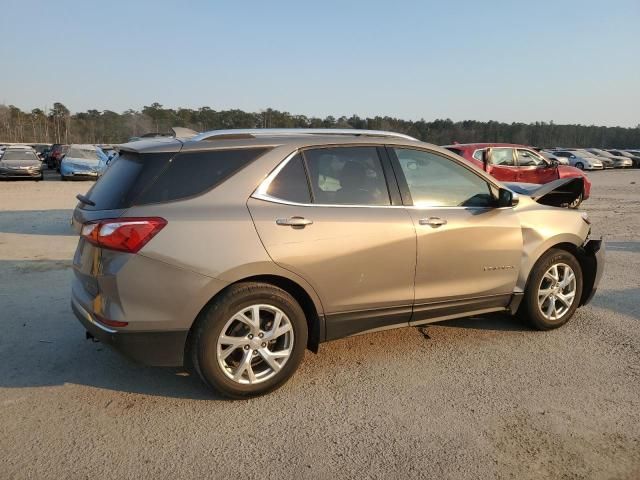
109,198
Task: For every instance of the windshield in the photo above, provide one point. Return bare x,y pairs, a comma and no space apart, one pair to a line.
84,154
19,155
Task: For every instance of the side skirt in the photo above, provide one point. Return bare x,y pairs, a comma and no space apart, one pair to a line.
344,324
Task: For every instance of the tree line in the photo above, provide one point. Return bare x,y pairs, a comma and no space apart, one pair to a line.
58,125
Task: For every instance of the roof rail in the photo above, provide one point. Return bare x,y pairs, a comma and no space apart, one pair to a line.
282,132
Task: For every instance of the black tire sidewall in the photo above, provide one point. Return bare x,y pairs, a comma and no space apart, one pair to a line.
216,316
531,309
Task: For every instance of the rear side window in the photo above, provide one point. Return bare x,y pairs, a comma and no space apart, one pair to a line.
125,179
192,173
291,183
139,179
347,176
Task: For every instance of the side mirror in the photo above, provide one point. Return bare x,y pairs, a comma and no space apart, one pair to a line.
486,159
507,198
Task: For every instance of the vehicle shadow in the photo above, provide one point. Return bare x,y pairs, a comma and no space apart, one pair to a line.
490,321
44,345
632,247
620,301
37,222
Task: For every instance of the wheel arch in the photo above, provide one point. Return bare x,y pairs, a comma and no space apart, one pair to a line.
313,315
586,265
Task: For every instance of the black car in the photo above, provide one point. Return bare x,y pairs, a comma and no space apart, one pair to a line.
20,164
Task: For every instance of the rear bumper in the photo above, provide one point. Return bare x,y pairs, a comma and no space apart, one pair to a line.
162,349
592,259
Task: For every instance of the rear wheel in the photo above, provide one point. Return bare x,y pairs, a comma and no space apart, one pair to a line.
553,291
249,341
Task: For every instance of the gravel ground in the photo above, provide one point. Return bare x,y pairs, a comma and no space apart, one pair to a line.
472,398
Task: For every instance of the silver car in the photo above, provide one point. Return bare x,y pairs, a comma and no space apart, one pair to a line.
580,159
618,161
231,252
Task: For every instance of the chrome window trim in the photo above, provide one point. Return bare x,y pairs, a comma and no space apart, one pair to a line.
261,192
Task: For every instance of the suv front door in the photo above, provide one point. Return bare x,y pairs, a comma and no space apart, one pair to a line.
502,163
469,252
333,216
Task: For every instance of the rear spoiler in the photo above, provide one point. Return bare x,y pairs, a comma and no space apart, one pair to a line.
558,193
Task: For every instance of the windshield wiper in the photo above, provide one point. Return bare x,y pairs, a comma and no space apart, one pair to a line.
85,200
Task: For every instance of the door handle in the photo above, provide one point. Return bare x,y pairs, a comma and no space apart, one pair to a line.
300,222
433,222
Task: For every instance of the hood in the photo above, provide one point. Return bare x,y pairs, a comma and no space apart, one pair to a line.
558,193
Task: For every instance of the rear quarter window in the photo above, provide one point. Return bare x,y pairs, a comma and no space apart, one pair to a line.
125,179
193,173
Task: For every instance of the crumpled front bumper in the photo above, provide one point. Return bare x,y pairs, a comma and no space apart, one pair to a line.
592,259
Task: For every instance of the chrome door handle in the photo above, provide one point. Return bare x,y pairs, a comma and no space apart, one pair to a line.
294,222
433,222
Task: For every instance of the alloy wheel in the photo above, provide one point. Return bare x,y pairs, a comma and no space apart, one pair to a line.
255,344
557,291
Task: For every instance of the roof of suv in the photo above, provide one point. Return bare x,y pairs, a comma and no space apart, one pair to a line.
265,137
484,145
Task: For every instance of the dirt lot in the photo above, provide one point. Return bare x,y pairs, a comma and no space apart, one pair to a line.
473,398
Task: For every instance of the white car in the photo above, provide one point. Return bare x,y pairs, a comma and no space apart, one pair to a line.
549,155
580,159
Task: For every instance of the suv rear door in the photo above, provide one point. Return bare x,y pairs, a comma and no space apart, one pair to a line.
469,252
332,215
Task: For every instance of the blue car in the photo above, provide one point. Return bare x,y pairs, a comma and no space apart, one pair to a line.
83,161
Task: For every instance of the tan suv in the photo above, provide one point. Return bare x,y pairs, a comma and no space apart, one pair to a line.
230,252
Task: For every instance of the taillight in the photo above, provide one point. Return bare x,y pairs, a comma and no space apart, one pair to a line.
123,234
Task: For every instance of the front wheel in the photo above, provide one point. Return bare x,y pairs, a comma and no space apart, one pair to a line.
553,291
580,165
249,341
576,203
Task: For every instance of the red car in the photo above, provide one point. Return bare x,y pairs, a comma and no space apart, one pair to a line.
518,163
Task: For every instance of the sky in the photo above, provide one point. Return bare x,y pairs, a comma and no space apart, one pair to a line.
564,61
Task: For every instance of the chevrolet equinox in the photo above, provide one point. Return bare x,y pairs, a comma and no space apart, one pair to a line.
231,252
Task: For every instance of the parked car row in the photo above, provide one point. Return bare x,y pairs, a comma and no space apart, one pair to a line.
72,161
597,158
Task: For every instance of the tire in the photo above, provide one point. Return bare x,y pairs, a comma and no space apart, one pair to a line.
63,178
580,165
530,309
576,203
247,360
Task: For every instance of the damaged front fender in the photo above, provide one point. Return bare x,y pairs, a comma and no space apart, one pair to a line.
559,193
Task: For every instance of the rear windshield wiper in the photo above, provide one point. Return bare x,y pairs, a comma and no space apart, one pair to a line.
85,200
